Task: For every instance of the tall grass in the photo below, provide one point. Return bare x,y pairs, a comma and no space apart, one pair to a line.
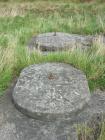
54,0
15,59
29,19
86,132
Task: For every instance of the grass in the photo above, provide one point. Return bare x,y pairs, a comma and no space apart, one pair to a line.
20,21
102,135
92,64
85,132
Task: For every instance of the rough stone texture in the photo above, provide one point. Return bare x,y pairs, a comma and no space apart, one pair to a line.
60,41
16,126
51,91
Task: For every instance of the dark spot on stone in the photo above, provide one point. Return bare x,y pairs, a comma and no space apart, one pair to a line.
51,76
54,33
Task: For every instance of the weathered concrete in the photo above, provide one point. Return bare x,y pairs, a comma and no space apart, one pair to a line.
51,91
16,126
48,42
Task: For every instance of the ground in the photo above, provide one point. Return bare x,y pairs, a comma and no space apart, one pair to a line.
16,126
19,22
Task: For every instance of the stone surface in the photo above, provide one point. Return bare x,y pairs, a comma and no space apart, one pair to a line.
16,126
59,41
51,91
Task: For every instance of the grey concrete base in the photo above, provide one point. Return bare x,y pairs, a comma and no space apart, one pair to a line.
51,91
50,42
16,126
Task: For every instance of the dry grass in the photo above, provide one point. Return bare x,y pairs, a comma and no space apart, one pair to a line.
20,21
21,9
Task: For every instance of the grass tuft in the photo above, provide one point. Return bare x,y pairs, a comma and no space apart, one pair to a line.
20,21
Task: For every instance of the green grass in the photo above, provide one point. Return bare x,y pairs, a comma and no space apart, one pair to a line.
102,135
20,21
92,64
86,132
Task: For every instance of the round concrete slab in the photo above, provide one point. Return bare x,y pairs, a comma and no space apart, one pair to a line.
59,41
51,91
17,126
